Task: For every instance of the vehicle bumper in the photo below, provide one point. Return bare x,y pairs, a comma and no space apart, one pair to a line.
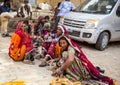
84,35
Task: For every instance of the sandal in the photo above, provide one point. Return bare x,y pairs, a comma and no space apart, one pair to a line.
100,70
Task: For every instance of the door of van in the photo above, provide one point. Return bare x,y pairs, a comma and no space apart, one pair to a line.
116,24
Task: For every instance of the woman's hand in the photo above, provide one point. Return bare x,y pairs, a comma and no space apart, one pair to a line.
32,25
58,72
50,62
55,73
41,39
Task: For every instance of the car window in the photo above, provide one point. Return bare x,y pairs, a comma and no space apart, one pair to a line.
118,11
97,6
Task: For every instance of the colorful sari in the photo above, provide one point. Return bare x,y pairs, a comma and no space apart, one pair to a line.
21,44
52,48
82,69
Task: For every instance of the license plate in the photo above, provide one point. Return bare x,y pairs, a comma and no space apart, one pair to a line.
74,33
78,32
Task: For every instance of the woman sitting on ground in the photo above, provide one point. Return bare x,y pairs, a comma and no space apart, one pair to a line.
21,43
50,47
74,65
39,26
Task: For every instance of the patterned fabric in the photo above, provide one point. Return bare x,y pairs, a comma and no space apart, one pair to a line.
76,71
94,73
54,50
50,45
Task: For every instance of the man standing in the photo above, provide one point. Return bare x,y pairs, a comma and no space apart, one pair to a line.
5,8
64,8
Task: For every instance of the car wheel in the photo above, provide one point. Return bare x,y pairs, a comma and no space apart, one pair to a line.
102,41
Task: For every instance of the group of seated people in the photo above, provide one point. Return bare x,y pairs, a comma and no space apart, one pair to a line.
58,48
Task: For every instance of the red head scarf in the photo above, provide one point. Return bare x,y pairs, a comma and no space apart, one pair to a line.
19,25
40,21
25,38
87,64
64,31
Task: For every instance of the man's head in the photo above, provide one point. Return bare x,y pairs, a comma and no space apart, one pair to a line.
46,18
26,1
58,4
7,2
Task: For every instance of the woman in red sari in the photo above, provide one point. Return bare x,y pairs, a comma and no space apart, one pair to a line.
21,43
51,47
76,67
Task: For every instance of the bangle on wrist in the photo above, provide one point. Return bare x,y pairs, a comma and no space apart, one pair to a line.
59,71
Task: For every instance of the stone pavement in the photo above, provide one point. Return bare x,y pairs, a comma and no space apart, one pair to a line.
12,71
109,60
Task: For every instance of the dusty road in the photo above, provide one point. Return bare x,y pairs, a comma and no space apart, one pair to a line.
109,59
10,70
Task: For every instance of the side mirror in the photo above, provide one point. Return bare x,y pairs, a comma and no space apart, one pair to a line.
118,12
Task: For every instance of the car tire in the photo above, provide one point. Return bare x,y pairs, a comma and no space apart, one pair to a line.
102,41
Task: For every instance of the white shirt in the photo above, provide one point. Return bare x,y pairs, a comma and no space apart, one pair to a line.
24,11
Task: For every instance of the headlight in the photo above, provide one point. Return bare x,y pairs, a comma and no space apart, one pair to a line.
61,20
91,24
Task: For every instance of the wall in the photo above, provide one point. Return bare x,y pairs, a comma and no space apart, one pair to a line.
40,1
53,3
33,2
16,3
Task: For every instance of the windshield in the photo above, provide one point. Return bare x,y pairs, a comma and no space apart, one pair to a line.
96,6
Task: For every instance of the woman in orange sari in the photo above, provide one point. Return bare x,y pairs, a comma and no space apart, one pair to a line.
21,43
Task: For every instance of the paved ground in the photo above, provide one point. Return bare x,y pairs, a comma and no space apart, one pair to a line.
10,70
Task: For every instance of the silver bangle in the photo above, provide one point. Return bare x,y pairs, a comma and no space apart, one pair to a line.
59,70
